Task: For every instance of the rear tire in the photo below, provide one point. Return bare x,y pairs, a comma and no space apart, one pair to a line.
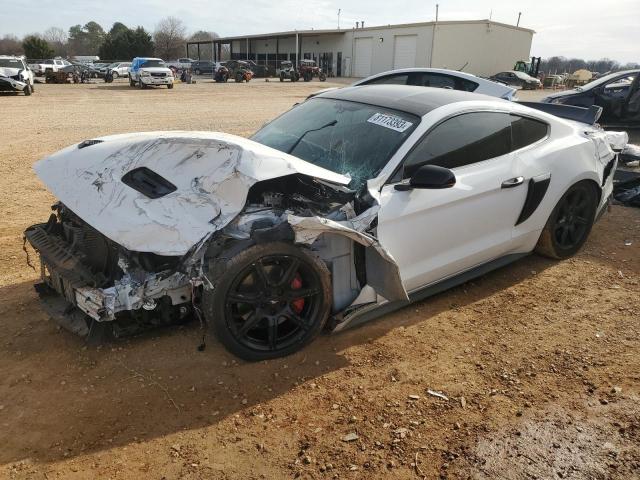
570,222
253,308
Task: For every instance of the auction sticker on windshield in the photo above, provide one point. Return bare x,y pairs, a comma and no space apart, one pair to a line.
390,121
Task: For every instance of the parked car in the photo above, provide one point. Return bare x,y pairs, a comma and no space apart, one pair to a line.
437,78
517,79
50,65
15,75
617,93
440,78
180,64
259,71
239,70
145,72
118,69
201,67
347,206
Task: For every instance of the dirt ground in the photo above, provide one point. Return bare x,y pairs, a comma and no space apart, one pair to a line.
538,363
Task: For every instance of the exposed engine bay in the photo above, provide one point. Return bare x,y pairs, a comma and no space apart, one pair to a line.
129,288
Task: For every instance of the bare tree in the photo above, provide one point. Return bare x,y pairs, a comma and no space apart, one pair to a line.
57,38
206,50
169,38
10,45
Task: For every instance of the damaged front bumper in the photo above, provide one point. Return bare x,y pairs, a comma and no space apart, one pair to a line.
63,270
11,85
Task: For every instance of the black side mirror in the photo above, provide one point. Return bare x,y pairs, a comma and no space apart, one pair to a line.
429,176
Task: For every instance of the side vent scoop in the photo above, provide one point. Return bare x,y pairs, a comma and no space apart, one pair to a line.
148,182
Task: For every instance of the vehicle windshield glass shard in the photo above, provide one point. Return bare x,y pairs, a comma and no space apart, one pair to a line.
366,139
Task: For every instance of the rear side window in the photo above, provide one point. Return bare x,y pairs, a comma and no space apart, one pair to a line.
462,140
439,80
525,131
398,79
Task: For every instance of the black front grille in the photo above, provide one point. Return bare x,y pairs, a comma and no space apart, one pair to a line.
157,74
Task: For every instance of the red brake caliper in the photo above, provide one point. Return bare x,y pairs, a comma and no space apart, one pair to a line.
296,284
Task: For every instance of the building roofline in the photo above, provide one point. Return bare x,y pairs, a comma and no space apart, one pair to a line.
292,33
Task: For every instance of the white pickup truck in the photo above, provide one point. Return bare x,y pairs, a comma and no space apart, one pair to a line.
146,72
50,65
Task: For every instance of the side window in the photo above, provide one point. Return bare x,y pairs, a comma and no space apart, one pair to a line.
467,85
525,131
432,80
462,140
398,79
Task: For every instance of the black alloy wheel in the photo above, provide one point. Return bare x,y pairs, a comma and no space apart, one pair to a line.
271,301
570,222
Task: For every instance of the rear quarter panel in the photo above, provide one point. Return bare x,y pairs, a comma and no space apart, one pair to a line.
569,156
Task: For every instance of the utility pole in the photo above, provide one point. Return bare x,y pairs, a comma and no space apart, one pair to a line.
339,10
518,23
437,8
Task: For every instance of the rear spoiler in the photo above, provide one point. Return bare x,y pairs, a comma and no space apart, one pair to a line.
578,114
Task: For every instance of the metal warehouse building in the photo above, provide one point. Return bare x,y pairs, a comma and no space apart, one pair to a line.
482,47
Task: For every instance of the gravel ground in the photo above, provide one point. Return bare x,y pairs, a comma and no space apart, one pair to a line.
538,363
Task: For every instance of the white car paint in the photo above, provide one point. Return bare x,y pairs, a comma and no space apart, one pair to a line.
436,234
422,237
52,65
212,172
7,69
121,68
485,87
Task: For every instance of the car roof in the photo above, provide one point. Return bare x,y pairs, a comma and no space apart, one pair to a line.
407,98
457,73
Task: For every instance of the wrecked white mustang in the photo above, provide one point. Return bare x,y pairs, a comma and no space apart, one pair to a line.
349,205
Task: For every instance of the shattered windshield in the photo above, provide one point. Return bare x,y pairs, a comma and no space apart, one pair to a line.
350,138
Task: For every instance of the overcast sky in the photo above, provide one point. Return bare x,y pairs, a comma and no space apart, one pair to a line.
573,28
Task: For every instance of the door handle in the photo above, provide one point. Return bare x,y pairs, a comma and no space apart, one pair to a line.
513,182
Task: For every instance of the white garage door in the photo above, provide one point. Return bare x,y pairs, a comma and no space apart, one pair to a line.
404,51
364,52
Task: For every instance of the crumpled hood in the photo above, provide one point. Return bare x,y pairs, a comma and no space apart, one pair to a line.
212,173
8,72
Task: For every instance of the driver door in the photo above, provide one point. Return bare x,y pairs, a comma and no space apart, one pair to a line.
436,233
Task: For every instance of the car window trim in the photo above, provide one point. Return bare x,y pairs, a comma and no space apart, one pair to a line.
390,179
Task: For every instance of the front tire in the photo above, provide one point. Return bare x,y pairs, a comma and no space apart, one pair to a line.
170,86
27,90
570,222
270,300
